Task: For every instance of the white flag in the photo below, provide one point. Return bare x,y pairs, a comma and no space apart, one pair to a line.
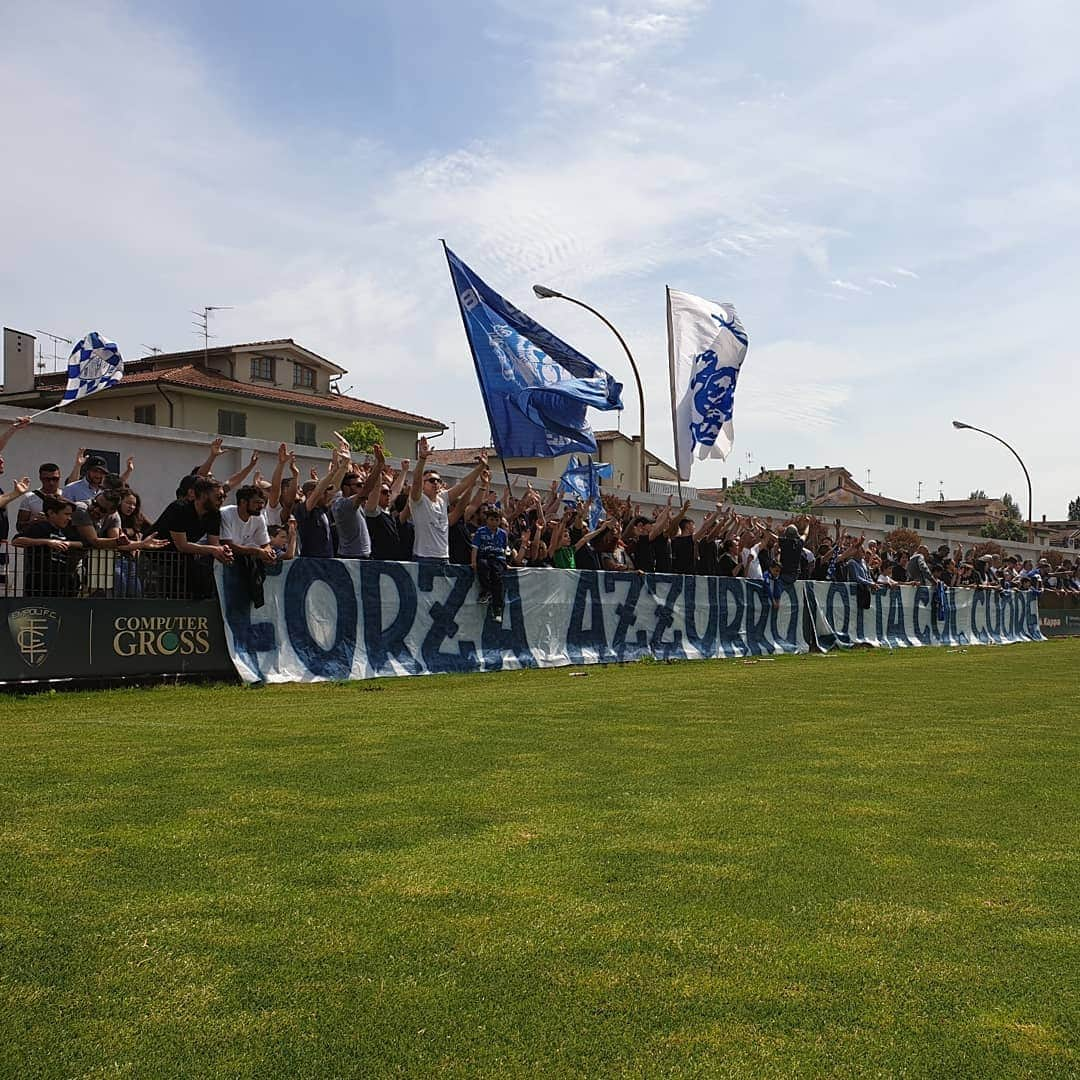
706,347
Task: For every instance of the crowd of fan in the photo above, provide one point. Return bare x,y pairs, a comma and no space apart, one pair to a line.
372,510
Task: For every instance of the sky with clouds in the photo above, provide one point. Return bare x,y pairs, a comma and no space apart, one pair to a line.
888,192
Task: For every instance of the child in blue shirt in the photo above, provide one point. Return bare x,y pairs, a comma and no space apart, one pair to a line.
489,544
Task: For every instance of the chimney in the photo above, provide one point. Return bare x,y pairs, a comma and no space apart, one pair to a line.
791,468
1044,519
18,361
723,483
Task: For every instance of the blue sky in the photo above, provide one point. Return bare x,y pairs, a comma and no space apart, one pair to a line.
889,193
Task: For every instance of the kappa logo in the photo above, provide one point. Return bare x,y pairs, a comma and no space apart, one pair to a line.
33,629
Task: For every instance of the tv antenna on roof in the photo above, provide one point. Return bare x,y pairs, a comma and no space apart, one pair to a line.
55,339
918,492
203,325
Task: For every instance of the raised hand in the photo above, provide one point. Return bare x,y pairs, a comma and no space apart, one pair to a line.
423,450
217,446
131,464
282,453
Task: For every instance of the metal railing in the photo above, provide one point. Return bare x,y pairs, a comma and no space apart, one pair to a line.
104,573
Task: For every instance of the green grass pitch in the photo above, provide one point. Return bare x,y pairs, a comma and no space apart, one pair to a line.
852,865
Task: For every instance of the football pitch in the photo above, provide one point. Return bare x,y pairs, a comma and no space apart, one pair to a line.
849,865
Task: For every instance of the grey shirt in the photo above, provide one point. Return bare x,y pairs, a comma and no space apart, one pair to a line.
354,541
918,571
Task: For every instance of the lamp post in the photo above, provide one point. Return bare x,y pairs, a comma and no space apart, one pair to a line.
544,293
959,424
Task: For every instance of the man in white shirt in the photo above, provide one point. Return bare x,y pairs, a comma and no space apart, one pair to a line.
30,507
429,506
92,482
243,527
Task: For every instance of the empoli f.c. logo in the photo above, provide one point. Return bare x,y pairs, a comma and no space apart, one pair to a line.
33,629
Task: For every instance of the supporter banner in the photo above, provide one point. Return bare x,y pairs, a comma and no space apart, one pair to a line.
350,619
909,616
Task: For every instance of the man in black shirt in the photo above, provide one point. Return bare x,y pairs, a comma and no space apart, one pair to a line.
791,547
193,529
728,563
639,545
683,555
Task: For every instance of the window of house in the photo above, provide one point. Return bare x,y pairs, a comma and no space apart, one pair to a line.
930,526
231,423
303,376
903,521
305,434
799,487
916,523
890,519
146,414
262,367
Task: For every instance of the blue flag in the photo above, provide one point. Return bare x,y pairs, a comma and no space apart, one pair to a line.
583,481
536,388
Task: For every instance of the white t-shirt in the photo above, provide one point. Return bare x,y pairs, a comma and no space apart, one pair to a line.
250,533
272,515
430,518
751,563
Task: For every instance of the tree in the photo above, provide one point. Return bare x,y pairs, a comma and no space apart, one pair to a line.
1074,509
361,435
978,493
776,493
1012,511
1006,528
902,540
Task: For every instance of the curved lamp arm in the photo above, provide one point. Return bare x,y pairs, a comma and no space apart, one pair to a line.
960,425
544,293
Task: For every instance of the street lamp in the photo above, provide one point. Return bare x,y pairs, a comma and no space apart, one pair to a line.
960,425
544,293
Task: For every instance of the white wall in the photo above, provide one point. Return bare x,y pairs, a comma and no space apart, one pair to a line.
162,455
849,520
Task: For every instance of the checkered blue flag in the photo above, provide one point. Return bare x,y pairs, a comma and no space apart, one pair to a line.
94,364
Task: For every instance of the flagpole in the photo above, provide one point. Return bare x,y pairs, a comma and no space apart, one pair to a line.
34,416
476,365
674,407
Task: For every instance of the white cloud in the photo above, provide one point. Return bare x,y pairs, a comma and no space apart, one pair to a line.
647,158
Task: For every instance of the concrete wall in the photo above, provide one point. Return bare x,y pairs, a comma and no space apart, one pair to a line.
162,455
849,520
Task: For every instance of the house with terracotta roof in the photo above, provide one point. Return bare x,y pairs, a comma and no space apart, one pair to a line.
274,390
809,482
620,450
877,510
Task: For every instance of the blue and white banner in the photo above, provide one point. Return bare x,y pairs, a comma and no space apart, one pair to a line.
352,619
908,616
94,364
707,346
536,387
